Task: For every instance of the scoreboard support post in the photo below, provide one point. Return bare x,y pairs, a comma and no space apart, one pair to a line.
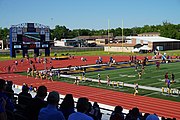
12,51
47,52
36,51
25,52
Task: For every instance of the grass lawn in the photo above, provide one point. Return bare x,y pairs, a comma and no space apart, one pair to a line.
150,77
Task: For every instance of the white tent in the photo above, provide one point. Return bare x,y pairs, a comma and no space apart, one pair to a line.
135,50
144,48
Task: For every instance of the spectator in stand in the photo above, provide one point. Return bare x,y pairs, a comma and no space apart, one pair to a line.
133,114
117,114
96,111
37,103
89,112
9,90
82,108
136,114
152,117
24,97
67,105
3,115
50,112
145,116
24,85
4,99
31,88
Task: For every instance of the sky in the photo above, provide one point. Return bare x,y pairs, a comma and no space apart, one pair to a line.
89,14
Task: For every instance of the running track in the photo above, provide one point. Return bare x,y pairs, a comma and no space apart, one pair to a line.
128,101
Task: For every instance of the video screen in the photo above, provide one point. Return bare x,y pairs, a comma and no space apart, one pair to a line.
31,37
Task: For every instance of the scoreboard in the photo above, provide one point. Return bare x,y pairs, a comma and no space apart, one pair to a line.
30,36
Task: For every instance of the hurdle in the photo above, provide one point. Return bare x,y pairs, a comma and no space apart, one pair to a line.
172,91
117,84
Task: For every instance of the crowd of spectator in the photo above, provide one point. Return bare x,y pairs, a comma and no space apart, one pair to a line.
26,107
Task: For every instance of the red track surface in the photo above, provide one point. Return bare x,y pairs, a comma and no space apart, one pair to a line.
128,101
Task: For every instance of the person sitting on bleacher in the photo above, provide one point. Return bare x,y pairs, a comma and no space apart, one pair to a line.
32,110
96,111
117,114
9,90
134,114
9,102
82,107
24,97
3,115
67,105
89,113
50,112
152,117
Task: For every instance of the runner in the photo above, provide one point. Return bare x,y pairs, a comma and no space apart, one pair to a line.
37,74
22,61
9,69
168,83
99,79
172,77
136,89
83,73
29,72
76,81
51,76
140,74
166,77
142,68
16,64
157,65
108,80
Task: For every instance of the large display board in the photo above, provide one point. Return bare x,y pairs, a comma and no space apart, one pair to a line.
29,36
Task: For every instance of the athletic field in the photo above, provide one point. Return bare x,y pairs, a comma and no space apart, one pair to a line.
150,77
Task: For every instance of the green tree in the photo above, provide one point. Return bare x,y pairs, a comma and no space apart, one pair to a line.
60,32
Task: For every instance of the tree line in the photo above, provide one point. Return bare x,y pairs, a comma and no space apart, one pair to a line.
167,29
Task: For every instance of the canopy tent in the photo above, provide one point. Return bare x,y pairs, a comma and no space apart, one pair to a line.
135,50
144,48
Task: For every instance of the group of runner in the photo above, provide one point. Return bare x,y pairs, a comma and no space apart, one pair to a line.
168,82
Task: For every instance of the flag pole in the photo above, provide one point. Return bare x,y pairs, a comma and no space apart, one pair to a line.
122,35
108,36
